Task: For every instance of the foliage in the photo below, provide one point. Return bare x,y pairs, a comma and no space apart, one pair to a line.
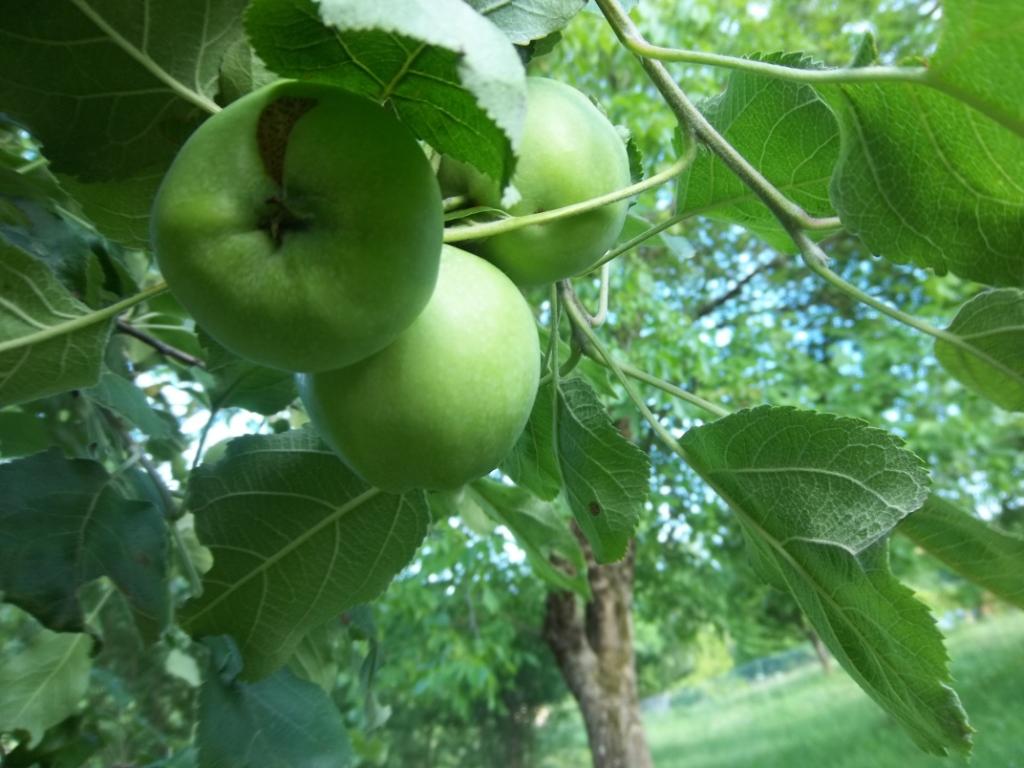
109,391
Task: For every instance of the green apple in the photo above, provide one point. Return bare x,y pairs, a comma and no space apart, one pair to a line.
301,227
446,402
569,153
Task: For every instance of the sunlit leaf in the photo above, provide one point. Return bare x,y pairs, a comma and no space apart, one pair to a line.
448,72
974,549
991,327
785,131
923,178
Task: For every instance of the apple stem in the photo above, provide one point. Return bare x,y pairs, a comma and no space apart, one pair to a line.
278,218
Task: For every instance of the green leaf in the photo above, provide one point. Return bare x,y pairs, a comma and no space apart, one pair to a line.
462,504
450,74
992,325
881,635
43,683
242,72
527,20
234,382
279,722
22,433
296,538
606,476
785,131
810,475
38,220
980,57
123,397
533,462
69,744
923,178
49,342
540,530
816,494
314,660
119,208
977,551
113,88
66,522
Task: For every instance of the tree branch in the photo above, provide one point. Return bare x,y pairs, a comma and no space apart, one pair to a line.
596,350
791,215
162,347
710,306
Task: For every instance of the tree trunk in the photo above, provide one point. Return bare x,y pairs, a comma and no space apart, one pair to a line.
514,734
593,645
820,651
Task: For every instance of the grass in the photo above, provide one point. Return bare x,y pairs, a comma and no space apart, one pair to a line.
806,719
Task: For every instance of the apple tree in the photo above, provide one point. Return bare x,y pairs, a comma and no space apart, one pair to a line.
222,218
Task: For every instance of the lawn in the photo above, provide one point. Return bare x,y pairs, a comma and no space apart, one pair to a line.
805,719
808,719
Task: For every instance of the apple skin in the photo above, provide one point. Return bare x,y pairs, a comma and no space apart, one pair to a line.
569,153
446,402
358,219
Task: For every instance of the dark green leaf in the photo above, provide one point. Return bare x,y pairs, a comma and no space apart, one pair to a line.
69,744
119,208
65,522
296,538
109,88
22,433
808,475
279,722
237,383
37,218
123,397
881,635
49,342
975,550
606,477
533,462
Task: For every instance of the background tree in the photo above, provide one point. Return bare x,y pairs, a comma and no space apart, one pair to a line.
121,566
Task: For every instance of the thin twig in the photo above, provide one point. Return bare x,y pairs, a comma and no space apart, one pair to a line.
789,213
491,228
162,347
920,76
596,321
194,580
816,259
710,306
595,350
643,237
594,345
